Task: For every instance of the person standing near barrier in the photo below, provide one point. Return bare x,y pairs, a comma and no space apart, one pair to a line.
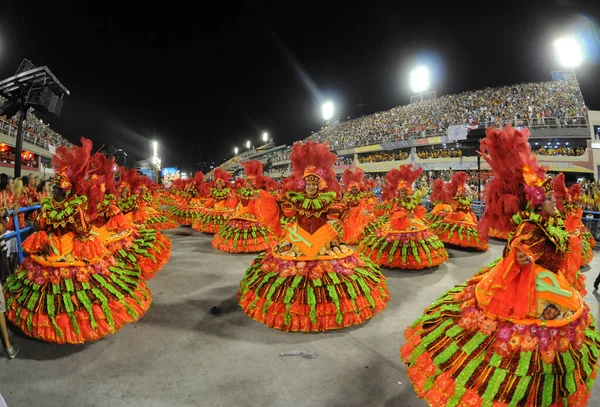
11,350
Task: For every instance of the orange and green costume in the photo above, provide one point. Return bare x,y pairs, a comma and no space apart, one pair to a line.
71,289
243,232
511,336
310,281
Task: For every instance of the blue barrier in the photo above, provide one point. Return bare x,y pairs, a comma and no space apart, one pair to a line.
18,231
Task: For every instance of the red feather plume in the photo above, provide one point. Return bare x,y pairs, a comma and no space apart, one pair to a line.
350,176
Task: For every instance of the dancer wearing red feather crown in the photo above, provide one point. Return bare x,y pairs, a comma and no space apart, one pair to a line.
359,202
568,203
243,232
219,205
441,199
459,228
404,241
155,247
191,200
148,203
311,281
518,333
70,288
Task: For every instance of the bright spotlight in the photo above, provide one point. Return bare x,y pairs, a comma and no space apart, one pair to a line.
248,144
327,110
265,136
235,150
155,146
568,52
419,79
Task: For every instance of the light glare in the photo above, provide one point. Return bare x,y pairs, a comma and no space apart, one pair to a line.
419,79
327,110
568,52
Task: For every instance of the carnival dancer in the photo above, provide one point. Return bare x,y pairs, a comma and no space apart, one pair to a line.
311,280
68,290
149,203
219,206
358,200
459,228
441,201
192,199
518,333
243,231
404,241
156,246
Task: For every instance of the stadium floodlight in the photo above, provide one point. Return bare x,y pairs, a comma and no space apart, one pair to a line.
419,79
568,52
327,110
235,150
248,144
265,136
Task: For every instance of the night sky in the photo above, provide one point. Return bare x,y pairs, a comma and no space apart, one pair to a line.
204,78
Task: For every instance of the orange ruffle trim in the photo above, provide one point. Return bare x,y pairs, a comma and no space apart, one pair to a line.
226,245
44,330
147,265
444,385
437,257
454,239
325,312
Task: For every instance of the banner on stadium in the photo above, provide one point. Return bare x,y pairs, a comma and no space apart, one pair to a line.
52,148
457,132
563,75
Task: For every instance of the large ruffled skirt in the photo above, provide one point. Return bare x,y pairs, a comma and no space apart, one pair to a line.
587,245
459,229
60,298
409,246
439,212
210,220
243,236
498,234
462,354
312,296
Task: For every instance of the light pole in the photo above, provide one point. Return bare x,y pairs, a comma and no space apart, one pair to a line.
248,144
156,161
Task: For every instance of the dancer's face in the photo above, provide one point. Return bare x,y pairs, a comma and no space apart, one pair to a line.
549,205
311,189
57,194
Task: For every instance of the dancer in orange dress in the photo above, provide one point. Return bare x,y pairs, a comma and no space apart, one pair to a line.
219,206
441,200
311,280
68,290
518,333
459,228
359,202
243,232
156,246
404,241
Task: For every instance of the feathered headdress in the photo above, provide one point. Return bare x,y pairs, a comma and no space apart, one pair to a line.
353,179
313,162
458,182
369,184
254,172
130,179
271,184
222,177
517,179
71,165
103,166
200,184
402,178
440,192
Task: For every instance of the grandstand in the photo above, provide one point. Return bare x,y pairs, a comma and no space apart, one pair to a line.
554,112
39,143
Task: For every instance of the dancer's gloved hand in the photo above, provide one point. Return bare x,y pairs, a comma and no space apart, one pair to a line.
523,259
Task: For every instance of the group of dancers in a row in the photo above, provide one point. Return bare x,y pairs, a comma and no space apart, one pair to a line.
516,334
